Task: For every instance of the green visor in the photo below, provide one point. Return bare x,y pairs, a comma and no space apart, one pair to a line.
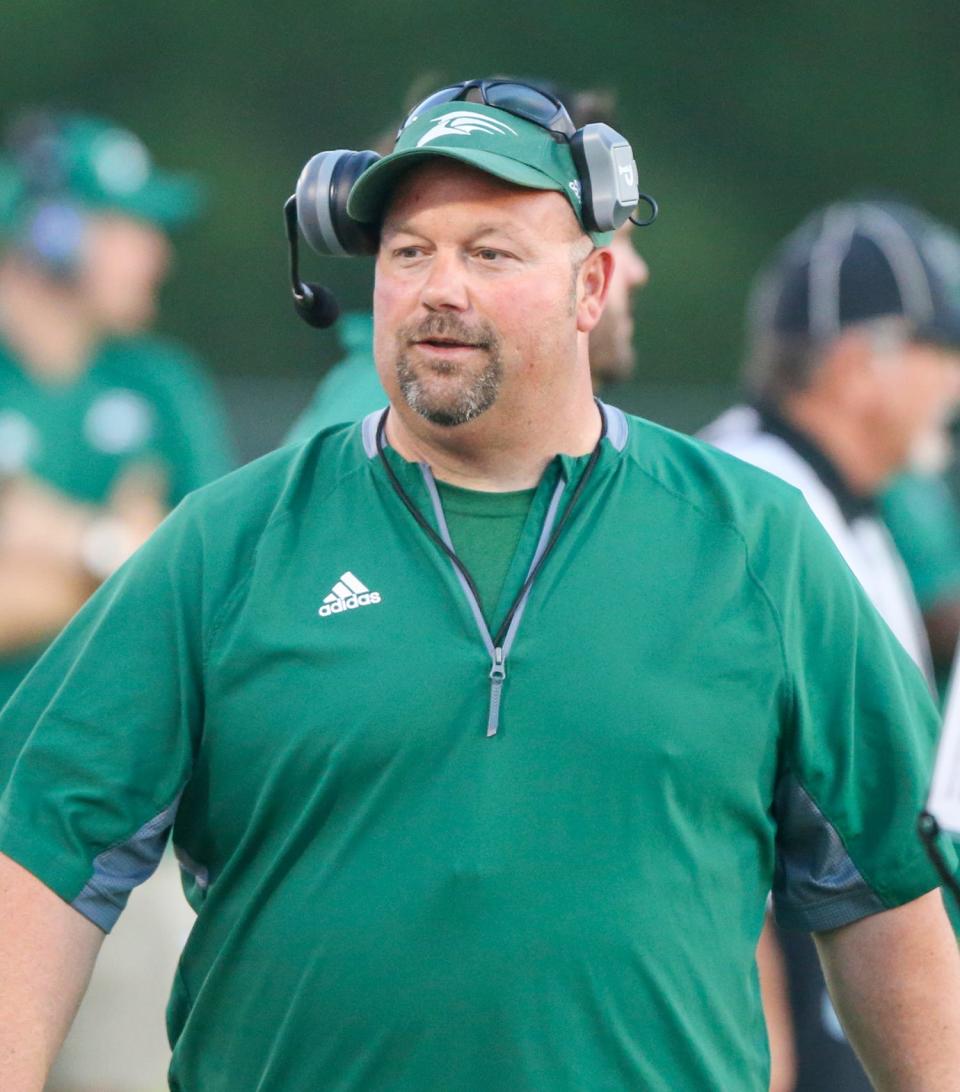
110,168
490,140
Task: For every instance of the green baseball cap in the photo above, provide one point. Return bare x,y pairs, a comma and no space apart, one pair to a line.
491,140
98,165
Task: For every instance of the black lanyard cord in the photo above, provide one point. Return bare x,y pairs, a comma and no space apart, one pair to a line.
434,537
581,484
415,512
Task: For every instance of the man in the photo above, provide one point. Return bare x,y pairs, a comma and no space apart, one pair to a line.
853,376
102,430
853,373
352,389
474,803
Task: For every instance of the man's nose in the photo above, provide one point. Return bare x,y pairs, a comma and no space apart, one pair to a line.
445,286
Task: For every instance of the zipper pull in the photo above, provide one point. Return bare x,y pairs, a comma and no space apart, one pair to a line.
497,674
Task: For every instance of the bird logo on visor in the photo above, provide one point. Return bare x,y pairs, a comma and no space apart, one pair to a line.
463,123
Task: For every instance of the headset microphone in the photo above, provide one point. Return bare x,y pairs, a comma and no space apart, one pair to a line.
315,304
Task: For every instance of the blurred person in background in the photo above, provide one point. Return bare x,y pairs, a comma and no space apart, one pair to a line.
853,374
921,511
352,389
103,429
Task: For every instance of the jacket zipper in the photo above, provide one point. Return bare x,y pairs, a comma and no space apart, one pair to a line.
499,651
499,647
497,674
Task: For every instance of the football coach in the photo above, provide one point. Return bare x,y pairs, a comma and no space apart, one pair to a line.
509,818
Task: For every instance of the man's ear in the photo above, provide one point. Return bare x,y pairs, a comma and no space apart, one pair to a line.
593,283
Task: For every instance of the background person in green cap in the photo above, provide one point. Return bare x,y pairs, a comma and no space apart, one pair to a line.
102,431
352,389
484,726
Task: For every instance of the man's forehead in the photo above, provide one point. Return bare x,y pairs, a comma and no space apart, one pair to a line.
442,181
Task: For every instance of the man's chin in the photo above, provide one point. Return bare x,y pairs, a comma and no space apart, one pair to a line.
448,398
444,413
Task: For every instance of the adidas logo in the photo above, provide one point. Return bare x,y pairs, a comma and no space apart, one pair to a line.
348,593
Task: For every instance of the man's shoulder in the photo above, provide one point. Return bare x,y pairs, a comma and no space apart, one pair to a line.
720,484
282,481
739,431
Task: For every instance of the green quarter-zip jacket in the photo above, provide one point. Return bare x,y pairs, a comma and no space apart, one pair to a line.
420,866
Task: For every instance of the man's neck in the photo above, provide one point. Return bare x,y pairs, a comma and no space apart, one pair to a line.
493,455
45,327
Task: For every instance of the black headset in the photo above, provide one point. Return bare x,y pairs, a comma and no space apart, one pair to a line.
606,170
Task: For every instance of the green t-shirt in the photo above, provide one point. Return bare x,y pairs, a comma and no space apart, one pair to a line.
142,403
699,704
485,529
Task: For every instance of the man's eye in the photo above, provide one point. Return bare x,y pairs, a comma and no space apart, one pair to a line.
407,252
487,254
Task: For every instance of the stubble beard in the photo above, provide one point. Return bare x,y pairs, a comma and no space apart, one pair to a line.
466,394
612,357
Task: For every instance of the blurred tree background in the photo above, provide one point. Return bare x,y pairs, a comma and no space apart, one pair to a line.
743,117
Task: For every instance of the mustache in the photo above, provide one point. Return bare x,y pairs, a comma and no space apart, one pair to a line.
441,325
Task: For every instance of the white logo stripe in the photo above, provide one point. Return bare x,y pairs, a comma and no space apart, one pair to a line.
355,585
463,123
342,590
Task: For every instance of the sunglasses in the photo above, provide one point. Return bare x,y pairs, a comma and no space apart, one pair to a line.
519,99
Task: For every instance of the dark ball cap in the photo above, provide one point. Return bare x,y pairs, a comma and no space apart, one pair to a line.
860,260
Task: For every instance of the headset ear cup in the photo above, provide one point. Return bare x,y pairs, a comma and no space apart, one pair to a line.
356,238
322,191
583,173
608,176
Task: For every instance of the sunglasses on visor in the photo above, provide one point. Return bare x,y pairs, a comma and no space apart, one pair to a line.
519,99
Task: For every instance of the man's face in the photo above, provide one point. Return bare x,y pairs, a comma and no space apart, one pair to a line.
124,263
475,301
918,389
612,355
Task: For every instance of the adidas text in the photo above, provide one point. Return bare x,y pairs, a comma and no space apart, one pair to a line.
364,599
